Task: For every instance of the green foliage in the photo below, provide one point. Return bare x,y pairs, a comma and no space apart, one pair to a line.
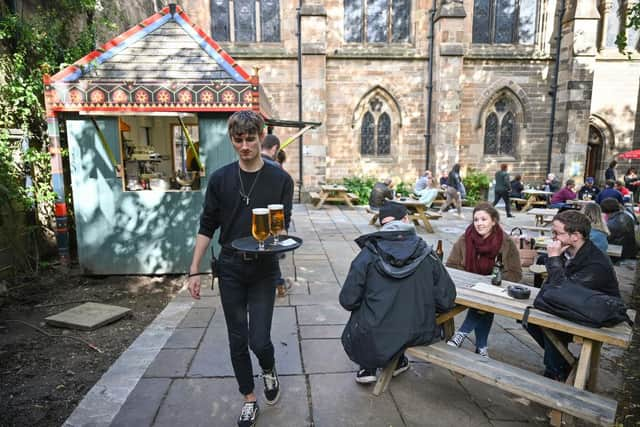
476,184
361,186
404,189
55,35
633,21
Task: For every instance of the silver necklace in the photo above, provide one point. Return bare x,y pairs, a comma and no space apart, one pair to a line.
244,195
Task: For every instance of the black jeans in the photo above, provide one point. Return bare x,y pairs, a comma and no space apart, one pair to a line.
248,286
504,195
555,364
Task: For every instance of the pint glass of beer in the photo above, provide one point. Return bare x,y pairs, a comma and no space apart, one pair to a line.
276,217
260,226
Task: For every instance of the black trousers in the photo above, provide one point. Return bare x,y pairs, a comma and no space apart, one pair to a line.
504,195
248,287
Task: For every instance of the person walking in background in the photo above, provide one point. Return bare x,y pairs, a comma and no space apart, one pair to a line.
381,192
476,251
394,288
246,281
502,188
588,191
609,192
453,190
559,198
610,173
599,230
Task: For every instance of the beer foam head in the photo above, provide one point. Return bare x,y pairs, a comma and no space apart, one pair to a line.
275,207
260,211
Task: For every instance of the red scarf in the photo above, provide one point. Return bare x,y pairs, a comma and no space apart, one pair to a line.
480,254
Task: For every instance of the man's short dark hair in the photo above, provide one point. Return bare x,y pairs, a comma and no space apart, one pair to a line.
570,182
574,221
245,121
610,205
270,141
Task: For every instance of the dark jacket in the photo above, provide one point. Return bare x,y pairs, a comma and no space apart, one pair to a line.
502,181
379,193
609,192
394,288
453,180
592,191
622,232
610,173
590,268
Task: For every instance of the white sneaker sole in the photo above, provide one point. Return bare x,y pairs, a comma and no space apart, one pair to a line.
366,380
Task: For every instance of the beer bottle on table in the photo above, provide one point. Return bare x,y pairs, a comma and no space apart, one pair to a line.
496,274
439,250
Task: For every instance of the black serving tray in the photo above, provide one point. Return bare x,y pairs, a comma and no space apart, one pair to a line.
250,245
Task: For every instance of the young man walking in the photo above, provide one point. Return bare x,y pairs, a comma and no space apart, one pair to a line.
247,281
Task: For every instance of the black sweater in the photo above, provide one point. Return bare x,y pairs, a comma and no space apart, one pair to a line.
225,208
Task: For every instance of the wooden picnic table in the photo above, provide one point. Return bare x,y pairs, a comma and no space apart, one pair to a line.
612,250
576,397
536,197
334,193
418,212
543,215
580,202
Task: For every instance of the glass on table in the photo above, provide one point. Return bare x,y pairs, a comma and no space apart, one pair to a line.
260,226
276,219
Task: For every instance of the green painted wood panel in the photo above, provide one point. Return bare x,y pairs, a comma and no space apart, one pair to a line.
135,232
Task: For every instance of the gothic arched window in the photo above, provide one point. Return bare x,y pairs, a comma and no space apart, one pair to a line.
236,20
504,21
375,131
377,21
500,128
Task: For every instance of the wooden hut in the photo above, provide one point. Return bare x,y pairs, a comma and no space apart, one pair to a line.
145,118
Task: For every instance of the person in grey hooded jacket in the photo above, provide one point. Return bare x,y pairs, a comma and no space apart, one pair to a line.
394,288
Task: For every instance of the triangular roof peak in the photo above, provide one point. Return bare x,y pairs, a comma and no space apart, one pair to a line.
165,46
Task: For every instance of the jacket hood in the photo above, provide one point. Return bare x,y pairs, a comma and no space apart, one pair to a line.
397,248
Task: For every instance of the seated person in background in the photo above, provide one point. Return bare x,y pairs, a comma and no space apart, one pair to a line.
626,194
394,288
572,257
517,187
551,183
621,227
381,192
425,190
608,192
476,251
559,198
424,181
599,230
443,179
588,190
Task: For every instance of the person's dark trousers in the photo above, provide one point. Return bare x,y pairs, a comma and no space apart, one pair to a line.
248,287
504,195
556,366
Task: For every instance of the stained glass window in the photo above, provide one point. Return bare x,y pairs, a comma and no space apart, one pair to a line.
270,20
384,135
353,20
245,20
491,134
367,135
481,20
377,21
504,21
220,20
507,134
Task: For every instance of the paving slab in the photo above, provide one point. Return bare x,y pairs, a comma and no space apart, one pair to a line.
170,363
322,332
198,317
323,314
88,316
143,403
325,355
185,338
339,401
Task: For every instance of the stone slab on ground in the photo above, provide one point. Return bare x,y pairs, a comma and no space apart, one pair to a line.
143,403
88,316
322,356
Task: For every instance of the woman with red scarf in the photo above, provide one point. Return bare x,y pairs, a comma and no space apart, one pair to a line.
476,251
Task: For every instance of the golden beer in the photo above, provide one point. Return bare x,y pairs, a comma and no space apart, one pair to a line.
276,217
260,225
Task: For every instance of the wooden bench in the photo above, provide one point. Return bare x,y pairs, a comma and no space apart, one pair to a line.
553,394
374,218
516,201
539,229
354,197
313,195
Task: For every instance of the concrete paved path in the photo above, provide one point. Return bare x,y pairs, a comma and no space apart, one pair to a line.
178,372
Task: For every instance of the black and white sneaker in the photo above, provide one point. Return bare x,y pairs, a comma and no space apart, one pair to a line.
249,414
271,386
366,376
402,366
